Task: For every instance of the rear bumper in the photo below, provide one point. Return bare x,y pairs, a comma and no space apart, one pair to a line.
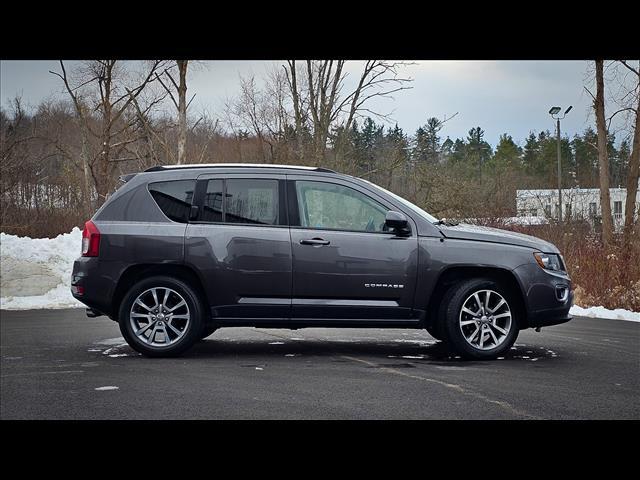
91,287
548,296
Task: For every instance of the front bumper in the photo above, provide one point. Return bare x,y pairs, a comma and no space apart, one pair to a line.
548,296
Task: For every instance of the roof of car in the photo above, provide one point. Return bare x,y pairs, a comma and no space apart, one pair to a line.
160,168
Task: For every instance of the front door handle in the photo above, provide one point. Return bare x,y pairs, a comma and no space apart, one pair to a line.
314,241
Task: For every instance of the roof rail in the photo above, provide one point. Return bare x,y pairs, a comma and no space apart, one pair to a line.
160,168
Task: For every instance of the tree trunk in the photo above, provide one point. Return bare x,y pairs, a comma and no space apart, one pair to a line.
297,110
603,158
102,183
182,110
632,179
88,201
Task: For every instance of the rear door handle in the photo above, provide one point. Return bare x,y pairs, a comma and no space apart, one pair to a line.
314,241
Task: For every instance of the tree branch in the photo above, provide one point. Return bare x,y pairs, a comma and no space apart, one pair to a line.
623,62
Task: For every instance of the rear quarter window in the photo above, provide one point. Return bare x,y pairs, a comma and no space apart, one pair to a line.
174,198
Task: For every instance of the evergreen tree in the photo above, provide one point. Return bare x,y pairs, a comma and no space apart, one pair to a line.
508,154
624,153
478,151
446,149
586,158
458,151
367,143
396,155
530,153
616,167
427,142
546,164
398,143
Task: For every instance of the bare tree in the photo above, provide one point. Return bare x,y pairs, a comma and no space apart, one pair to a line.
320,103
205,131
633,175
263,111
12,137
180,89
150,132
603,158
292,80
247,112
111,101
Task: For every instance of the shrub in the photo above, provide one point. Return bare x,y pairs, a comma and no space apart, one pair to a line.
601,276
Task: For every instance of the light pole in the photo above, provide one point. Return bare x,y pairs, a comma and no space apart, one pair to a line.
554,112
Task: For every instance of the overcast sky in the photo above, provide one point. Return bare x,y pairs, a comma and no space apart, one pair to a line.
499,96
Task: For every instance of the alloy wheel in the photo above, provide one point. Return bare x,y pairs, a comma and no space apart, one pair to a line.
159,317
485,319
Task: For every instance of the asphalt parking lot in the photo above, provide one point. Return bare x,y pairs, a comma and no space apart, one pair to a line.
58,364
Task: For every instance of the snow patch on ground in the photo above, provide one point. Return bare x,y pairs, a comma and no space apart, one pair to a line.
601,312
36,272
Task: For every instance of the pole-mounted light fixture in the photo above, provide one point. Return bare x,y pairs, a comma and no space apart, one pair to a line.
553,111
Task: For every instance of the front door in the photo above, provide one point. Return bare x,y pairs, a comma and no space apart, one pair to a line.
345,264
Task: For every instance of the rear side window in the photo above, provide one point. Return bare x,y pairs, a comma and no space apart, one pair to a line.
174,198
251,201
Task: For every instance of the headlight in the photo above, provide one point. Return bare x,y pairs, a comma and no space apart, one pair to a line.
549,261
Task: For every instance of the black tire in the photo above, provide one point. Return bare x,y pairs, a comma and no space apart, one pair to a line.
450,316
192,331
208,330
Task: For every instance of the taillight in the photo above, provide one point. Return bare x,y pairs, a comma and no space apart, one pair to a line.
90,240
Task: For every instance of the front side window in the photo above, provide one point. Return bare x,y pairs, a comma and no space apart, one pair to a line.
330,206
174,198
404,202
251,201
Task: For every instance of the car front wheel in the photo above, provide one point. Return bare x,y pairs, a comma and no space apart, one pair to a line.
161,316
479,319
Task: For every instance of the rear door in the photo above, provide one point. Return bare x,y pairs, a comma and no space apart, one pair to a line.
239,242
345,265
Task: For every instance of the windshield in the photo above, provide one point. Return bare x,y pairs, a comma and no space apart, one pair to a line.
405,202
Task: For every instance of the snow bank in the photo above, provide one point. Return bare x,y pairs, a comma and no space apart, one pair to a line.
36,272
601,312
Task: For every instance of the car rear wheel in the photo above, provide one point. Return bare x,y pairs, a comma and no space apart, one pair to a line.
479,319
161,316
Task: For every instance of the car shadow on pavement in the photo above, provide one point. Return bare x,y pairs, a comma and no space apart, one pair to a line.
392,353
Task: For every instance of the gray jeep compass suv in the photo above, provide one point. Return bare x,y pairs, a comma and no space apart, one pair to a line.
179,251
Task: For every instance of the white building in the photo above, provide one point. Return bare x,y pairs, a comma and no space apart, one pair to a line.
578,203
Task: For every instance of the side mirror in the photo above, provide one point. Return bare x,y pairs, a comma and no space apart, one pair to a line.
398,222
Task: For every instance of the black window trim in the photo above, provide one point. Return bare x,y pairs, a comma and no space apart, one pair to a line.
201,189
294,211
